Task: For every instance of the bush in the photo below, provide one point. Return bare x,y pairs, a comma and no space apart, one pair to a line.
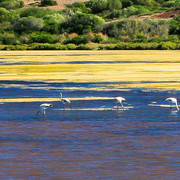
47,46
8,38
81,39
11,4
71,46
136,46
4,15
97,6
42,38
167,45
15,47
36,12
175,26
97,39
48,3
27,24
169,4
52,23
81,22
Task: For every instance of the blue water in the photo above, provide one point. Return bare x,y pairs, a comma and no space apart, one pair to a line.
141,142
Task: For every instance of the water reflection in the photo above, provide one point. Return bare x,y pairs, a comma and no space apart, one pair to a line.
174,113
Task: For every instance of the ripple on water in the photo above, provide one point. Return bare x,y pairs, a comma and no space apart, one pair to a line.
91,141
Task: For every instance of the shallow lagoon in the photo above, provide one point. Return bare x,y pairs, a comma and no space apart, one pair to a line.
93,140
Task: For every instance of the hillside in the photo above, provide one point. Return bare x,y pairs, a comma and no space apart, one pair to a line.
93,24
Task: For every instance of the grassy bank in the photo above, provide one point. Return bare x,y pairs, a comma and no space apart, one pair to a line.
93,46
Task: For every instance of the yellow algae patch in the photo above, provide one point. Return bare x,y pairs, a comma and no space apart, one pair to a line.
66,56
93,72
2,100
99,72
154,85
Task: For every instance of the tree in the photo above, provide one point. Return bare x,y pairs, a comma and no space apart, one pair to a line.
52,23
27,24
4,14
80,22
97,6
114,4
11,4
175,26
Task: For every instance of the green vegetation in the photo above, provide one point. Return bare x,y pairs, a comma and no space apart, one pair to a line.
105,24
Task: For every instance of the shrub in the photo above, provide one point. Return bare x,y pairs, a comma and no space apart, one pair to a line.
36,12
81,39
11,4
8,38
42,38
126,3
48,3
114,4
15,47
97,6
97,39
47,46
81,22
71,46
167,45
4,15
27,24
175,25
169,3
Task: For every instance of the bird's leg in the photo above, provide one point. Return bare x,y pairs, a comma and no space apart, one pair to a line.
44,113
118,105
64,106
37,113
122,105
70,106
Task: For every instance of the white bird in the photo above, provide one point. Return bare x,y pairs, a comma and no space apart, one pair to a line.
43,108
173,101
119,100
65,101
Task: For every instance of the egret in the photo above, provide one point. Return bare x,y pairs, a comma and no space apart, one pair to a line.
65,101
173,100
43,108
119,100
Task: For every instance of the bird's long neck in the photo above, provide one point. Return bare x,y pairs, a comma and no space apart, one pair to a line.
177,106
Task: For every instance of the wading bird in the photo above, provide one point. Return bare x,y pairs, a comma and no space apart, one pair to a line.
173,100
65,101
119,101
43,108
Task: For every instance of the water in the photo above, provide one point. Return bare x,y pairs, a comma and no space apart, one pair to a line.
91,141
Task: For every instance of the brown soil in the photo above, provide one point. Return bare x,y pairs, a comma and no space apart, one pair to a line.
61,4
163,15
166,15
